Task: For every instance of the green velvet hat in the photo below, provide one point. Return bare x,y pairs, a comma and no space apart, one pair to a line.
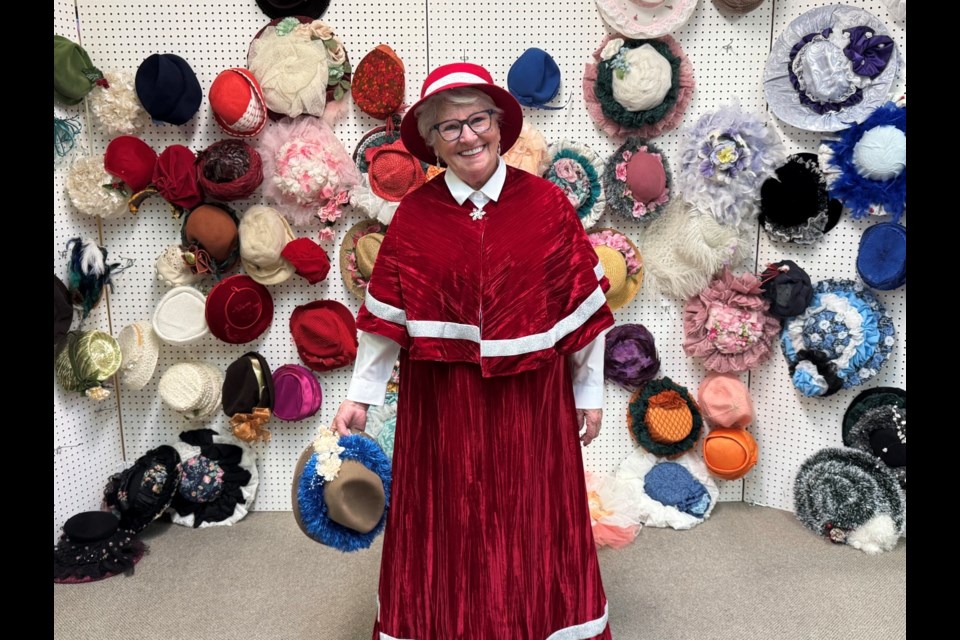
73,72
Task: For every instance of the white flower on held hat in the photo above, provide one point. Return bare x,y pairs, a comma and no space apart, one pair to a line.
611,49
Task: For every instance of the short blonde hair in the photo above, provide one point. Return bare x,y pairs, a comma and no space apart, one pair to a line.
427,113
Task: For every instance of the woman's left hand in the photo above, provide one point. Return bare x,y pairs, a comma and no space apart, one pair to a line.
590,418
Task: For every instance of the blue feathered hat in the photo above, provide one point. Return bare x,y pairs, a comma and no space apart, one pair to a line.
840,341
866,165
341,490
882,260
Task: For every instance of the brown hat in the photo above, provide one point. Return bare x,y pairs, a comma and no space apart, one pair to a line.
211,239
348,511
358,252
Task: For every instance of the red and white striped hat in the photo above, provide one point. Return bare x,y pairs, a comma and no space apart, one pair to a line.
452,76
237,103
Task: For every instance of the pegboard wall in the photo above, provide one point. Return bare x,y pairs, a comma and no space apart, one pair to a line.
728,53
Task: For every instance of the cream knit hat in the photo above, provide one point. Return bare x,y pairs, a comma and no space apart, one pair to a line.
263,235
141,349
192,389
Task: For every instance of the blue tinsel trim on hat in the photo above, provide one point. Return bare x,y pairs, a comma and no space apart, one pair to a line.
313,509
856,192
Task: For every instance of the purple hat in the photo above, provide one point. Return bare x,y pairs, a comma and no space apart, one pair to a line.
297,393
630,357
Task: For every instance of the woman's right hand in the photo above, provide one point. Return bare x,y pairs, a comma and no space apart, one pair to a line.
350,415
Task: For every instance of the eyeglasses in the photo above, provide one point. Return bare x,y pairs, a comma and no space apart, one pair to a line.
478,122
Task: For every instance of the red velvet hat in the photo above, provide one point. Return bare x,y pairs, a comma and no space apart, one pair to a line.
239,309
393,171
452,76
308,258
325,333
237,103
132,160
175,177
379,84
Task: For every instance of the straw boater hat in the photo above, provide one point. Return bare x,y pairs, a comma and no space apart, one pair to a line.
358,252
622,265
341,490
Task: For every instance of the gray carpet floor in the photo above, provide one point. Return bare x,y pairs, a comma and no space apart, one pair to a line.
746,573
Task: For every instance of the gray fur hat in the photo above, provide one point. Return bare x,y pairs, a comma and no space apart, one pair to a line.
851,498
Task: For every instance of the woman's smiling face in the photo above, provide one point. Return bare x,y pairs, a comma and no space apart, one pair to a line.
472,157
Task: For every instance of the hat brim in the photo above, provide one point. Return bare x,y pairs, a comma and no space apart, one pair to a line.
511,122
633,283
348,245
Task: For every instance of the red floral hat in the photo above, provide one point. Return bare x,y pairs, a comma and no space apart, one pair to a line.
379,84
325,333
239,309
236,100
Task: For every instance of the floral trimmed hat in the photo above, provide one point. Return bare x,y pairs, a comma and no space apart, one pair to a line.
830,68
307,172
724,158
143,491
840,341
210,237
679,494
358,252
664,418
795,206
218,479
622,265
117,106
379,83
645,18
845,496
727,324
637,180
866,165
630,356
382,421
302,68
577,170
91,189
638,87
341,490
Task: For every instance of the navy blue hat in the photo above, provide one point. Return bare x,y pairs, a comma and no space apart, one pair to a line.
168,88
787,287
882,261
534,79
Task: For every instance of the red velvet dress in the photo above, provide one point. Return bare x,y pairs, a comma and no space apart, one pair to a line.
488,535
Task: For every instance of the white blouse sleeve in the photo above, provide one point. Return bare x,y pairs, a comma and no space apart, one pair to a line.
376,356
587,371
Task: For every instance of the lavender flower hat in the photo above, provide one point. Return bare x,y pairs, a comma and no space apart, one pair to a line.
630,356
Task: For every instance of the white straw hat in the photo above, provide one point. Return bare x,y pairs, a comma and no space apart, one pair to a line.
192,389
141,349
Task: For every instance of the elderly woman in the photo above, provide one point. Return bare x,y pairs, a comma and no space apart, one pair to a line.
488,289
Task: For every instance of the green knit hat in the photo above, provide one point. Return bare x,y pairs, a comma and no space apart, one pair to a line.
73,73
87,359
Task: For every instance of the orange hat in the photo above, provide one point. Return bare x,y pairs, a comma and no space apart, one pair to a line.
725,401
729,453
664,418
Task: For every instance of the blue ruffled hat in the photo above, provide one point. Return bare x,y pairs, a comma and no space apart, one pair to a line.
882,261
534,79
826,351
673,485
168,88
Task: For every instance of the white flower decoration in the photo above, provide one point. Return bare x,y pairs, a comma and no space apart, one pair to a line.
611,49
